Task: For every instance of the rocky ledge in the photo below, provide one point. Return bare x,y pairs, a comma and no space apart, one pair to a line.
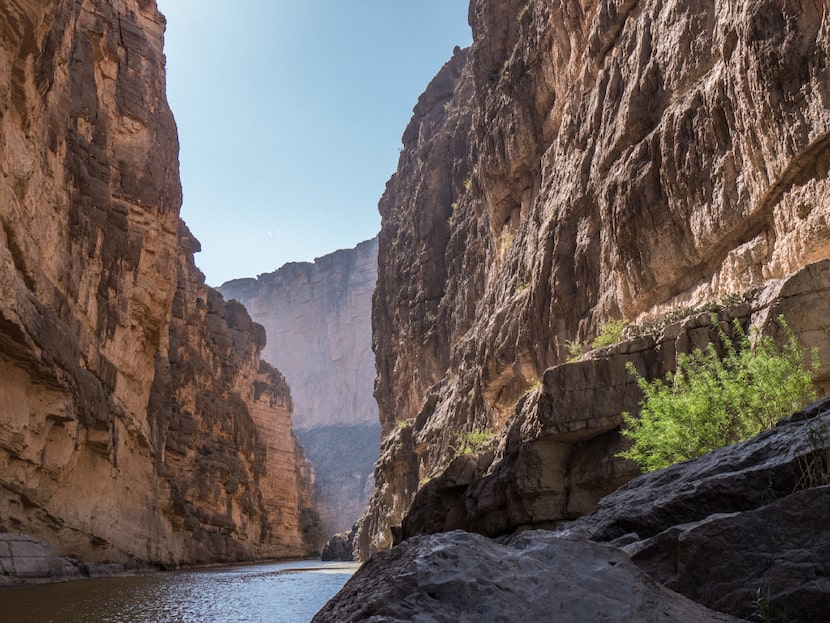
742,531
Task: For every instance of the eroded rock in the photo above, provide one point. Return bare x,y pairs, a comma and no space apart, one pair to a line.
128,434
744,522
557,455
459,577
585,162
318,320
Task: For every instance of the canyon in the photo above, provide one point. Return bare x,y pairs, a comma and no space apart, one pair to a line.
661,166
318,318
584,163
138,424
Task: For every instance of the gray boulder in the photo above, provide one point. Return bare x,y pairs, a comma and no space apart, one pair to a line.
778,554
25,558
461,577
339,547
741,529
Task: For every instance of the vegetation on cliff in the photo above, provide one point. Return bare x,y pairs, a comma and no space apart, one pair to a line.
718,396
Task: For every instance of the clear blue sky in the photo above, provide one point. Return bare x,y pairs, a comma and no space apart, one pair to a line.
290,118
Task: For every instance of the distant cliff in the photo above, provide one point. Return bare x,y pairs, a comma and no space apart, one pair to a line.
580,163
318,319
137,423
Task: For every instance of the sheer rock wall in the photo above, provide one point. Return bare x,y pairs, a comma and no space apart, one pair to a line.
318,320
585,162
109,399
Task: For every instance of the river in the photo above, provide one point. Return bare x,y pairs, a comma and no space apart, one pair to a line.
263,593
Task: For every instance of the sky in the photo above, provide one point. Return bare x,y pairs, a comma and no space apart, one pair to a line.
290,116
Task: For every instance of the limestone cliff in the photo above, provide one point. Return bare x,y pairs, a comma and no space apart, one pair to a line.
585,162
136,422
318,320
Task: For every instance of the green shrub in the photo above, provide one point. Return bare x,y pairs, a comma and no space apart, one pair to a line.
474,442
574,349
712,401
611,333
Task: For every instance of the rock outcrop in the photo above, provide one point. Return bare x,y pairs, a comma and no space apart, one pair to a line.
137,425
743,523
318,321
234,476
585,162
461,577
23,557
742,530
557,455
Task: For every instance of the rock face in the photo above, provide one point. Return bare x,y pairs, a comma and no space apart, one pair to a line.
137,424
462,577
556,458
23,557
742,530
318,321
318,318
234,475
344,458
742,522
585,162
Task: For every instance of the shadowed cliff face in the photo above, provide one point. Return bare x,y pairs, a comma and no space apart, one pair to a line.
103,316
584,162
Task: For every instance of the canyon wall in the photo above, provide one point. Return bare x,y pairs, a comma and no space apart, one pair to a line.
137,424
580,163
318,320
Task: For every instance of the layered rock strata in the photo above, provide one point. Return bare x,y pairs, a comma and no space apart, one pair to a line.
585,162
127,434
556,458
233,477
318,320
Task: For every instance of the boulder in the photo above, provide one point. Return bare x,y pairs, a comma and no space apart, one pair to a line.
740,529
462,577
339,547
24,558
778,554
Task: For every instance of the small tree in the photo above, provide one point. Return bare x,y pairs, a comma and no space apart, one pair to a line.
712,401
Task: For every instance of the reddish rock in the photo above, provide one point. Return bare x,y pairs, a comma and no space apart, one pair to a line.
585,162
127,435
318,320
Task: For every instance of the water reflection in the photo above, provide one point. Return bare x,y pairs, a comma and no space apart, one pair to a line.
272,593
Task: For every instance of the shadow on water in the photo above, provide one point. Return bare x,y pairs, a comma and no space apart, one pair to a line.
290,592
